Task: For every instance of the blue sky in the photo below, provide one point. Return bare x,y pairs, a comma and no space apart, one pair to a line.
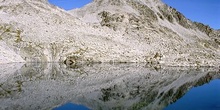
69,4
204,11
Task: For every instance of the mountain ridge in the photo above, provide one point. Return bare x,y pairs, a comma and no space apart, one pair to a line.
102,31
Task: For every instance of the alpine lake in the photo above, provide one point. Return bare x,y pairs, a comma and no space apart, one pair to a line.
108,86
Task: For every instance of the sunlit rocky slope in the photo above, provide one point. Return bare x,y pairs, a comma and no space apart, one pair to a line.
104,31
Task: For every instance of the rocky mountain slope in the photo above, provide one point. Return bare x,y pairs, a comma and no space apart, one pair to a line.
104,31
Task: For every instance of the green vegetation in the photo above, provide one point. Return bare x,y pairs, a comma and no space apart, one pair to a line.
206,45
8,30
18,36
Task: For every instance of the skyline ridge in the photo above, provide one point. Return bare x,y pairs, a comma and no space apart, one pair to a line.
205,9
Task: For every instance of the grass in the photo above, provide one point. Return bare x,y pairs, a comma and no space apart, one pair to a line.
19,39
7,29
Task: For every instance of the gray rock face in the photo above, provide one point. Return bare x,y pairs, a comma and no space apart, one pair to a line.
213,34
173,16
105,31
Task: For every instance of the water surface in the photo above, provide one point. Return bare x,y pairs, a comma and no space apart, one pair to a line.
204,97
44,86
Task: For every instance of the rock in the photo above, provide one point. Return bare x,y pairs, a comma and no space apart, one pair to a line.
105,31
8,55
204,28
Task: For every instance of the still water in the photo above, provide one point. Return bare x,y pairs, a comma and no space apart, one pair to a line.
51,86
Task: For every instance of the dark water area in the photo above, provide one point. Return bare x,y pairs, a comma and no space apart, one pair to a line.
128,86
205,97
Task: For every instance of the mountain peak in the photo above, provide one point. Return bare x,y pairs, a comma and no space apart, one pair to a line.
123,2
105,31
110,2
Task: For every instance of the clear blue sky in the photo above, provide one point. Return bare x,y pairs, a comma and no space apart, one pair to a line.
204,11
69,4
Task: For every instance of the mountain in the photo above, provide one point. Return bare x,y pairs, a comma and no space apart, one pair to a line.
104,31
44,86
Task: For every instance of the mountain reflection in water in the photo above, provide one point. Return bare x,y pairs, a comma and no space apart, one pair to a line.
205,97
131,86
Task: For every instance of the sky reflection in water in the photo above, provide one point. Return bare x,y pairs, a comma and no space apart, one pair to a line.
71,106
205,97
